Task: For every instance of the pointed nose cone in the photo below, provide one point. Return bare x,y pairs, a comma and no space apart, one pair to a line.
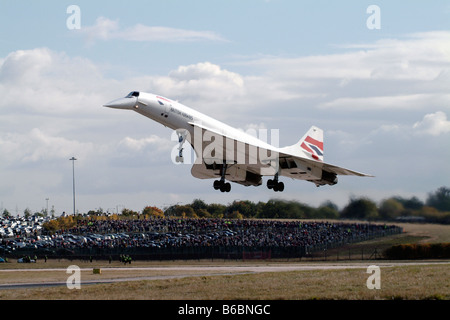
122,103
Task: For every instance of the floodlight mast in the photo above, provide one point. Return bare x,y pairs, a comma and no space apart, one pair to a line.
73,187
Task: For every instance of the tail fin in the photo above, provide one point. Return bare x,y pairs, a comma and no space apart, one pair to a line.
310,144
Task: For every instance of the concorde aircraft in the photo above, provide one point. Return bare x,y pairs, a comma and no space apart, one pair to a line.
226,153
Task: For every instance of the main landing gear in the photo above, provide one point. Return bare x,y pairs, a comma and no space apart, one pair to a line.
275,184
221,184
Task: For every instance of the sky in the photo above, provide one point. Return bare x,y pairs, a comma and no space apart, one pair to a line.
374,75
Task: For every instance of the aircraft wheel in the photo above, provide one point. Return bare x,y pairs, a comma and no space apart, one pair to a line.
217,184
225,187
270,184
278,187
179,159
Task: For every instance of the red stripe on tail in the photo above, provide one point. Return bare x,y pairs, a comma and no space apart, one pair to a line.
315,142
304,146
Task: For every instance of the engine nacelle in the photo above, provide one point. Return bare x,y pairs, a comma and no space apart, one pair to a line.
253,179
329,178
240,175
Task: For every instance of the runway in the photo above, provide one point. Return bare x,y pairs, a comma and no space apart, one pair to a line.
177,272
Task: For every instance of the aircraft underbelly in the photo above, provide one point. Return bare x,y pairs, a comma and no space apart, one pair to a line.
236,173
296,169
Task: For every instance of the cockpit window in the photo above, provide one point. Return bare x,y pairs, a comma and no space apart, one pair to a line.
160,103
133,94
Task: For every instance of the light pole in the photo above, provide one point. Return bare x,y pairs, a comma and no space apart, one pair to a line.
46,213
73,175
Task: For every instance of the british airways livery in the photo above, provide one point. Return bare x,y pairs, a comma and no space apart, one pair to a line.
226,153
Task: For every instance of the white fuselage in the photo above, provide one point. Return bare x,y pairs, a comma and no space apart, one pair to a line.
226,152
177,116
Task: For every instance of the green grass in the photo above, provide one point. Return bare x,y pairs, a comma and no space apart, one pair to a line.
405,282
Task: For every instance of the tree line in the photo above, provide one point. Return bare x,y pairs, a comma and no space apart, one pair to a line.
436,209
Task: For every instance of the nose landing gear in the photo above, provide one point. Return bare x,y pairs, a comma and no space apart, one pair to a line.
181,139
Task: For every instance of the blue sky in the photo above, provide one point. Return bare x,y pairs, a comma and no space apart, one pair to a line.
381,96
249,28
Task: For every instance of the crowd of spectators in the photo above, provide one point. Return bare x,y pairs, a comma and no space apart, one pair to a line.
157,233
177,232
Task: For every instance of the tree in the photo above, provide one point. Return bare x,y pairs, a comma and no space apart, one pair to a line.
185,211
391,209
6,214
327,213
216,210
27,213
245,208
328,210
282,209
440,199
413,203
203,213
330,204
269,210
153,212
52,226
235,215
294,210
430,213
362,208
259,208
66,222
198,204
129,213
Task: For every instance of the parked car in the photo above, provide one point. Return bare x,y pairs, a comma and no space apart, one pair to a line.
26,260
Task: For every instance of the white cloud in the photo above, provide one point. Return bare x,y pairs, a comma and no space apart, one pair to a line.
203,86
153,144
44,82
104,29
420,56
205,71
107,29
392,102
36,146
390,73
433,124
205,81
396,134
